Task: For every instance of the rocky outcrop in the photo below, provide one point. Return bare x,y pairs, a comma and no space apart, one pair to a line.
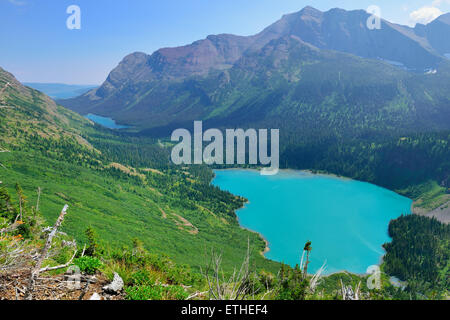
442,213
115,287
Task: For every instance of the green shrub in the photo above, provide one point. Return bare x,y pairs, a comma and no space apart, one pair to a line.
93,245
143,277
24,230
176,293
148,292
88,264
144,293
63,255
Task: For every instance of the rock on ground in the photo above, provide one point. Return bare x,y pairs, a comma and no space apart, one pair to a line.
115,286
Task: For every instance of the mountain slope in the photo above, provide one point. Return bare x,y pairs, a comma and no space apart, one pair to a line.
337,29
173,211
27,113
346,31
347,100
437,33
288,83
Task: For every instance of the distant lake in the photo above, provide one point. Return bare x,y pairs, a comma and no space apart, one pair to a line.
104,121
346,220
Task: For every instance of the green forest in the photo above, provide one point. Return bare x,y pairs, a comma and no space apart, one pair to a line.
155,223
419,253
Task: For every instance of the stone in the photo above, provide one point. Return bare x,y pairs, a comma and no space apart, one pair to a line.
95,296
115,286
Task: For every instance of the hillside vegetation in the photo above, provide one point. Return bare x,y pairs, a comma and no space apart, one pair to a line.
158,226
143,274
420,253
172,210
372,105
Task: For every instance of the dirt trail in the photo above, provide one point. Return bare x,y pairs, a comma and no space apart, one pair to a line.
153,171
181,222
164,214
185,223
207,210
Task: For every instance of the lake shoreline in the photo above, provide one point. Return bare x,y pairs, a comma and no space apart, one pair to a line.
300,174
267,244
287,171
106,122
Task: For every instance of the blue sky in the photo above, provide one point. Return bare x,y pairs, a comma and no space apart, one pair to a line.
38,47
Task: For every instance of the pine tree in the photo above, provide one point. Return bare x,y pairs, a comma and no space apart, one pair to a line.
7,209
92,241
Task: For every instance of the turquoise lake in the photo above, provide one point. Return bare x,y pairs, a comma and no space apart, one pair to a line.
346,220
104,121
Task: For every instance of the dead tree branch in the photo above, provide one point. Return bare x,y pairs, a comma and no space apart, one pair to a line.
10,228
13,256
38,198
62,266
195,295
86,287
37,268
348,293
236,287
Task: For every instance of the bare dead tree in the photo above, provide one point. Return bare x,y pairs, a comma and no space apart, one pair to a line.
37,269
315,278
61,266
236,287
13,256
348,293
20,208
38,198
84,250
304,266
196,294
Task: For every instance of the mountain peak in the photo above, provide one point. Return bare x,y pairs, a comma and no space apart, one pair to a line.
135,57
305,13
336,29
445,18
310,10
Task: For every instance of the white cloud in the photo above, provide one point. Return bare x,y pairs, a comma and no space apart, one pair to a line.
425,15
